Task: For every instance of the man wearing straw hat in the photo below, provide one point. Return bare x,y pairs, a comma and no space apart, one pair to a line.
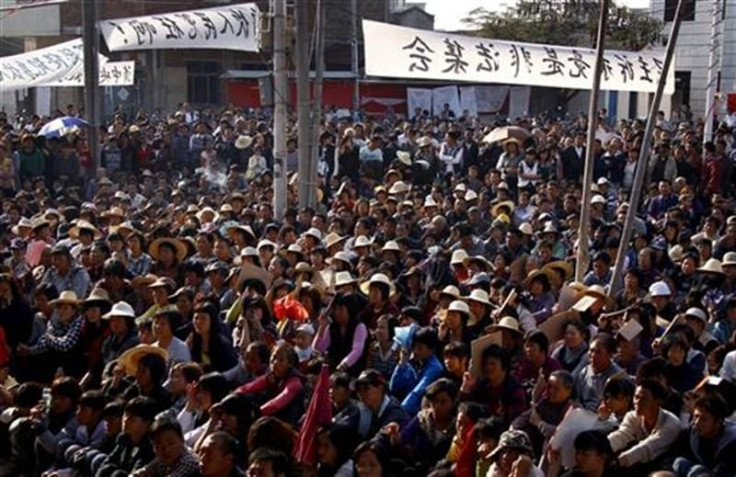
66,274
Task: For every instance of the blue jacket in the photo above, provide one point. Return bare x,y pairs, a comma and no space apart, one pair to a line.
411,382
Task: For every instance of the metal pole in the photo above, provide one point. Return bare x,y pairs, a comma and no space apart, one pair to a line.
583,258
280,92
319,58
643,163
714,65
91,48
302,93
354,57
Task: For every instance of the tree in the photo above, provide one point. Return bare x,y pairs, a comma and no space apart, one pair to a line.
566,22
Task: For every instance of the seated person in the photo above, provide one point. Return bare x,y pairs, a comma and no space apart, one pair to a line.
410,379
133,448
377,407
172,455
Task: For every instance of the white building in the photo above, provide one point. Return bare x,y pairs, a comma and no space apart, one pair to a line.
692,52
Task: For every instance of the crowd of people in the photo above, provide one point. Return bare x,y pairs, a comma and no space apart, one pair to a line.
157,318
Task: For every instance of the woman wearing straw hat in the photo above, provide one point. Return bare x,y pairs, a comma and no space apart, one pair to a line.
58,348
454,326
379,289
168,254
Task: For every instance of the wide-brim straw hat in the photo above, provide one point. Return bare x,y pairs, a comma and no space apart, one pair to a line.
479,259
424,141
479,296
333,239
712,265
179,247
344,278
129,359
23,223
84,225
98,296
143,280
378,279
495,210
506,323
67,297
561,265
598,292
404,157
729,260
243,142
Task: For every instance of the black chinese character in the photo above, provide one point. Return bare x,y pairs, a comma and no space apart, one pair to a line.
627,68
243,22
489,55
173,30
209,27
579,64
646,69
144,31
658,65
454,57
55,62
39,65
555,65
421,50
607,70
120,29
187,18
517,58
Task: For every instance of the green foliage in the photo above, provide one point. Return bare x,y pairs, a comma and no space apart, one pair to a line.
566,22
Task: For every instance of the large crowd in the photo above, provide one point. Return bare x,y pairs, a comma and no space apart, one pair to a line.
157,318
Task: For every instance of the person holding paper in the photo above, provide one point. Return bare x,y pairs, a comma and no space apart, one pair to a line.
590,379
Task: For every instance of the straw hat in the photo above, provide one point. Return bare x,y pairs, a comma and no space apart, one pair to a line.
165,282
399,187
245,252
391,246
460,307
458,257
126,228
729,260
712,265
121,309
178,245
114,212
344,278
303,267
404,157
84,225
314,233
429,202
97,296
506,323
598,292
343,257
479,296
451,290
526,229
424,141
696,313
39,222
378,279
66,297
534,274
23,223
549,228
143,280
560,265
361,241
333,239
506,203
129,359
479,259
209,211
243,142
266,243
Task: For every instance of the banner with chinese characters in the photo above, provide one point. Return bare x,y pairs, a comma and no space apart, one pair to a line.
40,67
399,52
234,27
112,73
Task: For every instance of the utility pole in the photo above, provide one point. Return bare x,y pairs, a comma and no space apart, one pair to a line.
280,92
303,110
319,59
714,66
643,163
354,57
92,101
583,258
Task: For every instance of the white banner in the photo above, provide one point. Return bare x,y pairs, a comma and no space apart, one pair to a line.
400,52
23,4
519,101
490,99
468,100
112,73
234,27
445,95
40,67
418,98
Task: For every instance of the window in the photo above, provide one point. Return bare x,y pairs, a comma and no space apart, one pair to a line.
682,89
688,10
203,82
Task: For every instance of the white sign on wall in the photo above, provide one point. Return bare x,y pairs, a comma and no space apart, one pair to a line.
400,52
112,73
234,27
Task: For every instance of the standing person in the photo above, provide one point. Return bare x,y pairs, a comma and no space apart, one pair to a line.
371,158
29,158
508,162
451,154
573,160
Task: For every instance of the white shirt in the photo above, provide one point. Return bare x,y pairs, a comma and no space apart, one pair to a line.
647,445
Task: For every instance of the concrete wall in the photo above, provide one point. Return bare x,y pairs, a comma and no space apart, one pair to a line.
693,47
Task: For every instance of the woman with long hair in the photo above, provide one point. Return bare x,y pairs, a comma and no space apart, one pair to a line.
344,339
209,346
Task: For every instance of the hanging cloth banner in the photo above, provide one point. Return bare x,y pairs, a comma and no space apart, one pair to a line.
468,100
234,27
40,67
23,4
418,98
400,52
112,73
445,95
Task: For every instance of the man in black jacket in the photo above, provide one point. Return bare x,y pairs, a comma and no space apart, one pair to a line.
573,160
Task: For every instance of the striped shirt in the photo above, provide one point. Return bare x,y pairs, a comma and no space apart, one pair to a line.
59,337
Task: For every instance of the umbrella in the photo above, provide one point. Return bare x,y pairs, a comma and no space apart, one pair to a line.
62,126
318,414
506,132
290,308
